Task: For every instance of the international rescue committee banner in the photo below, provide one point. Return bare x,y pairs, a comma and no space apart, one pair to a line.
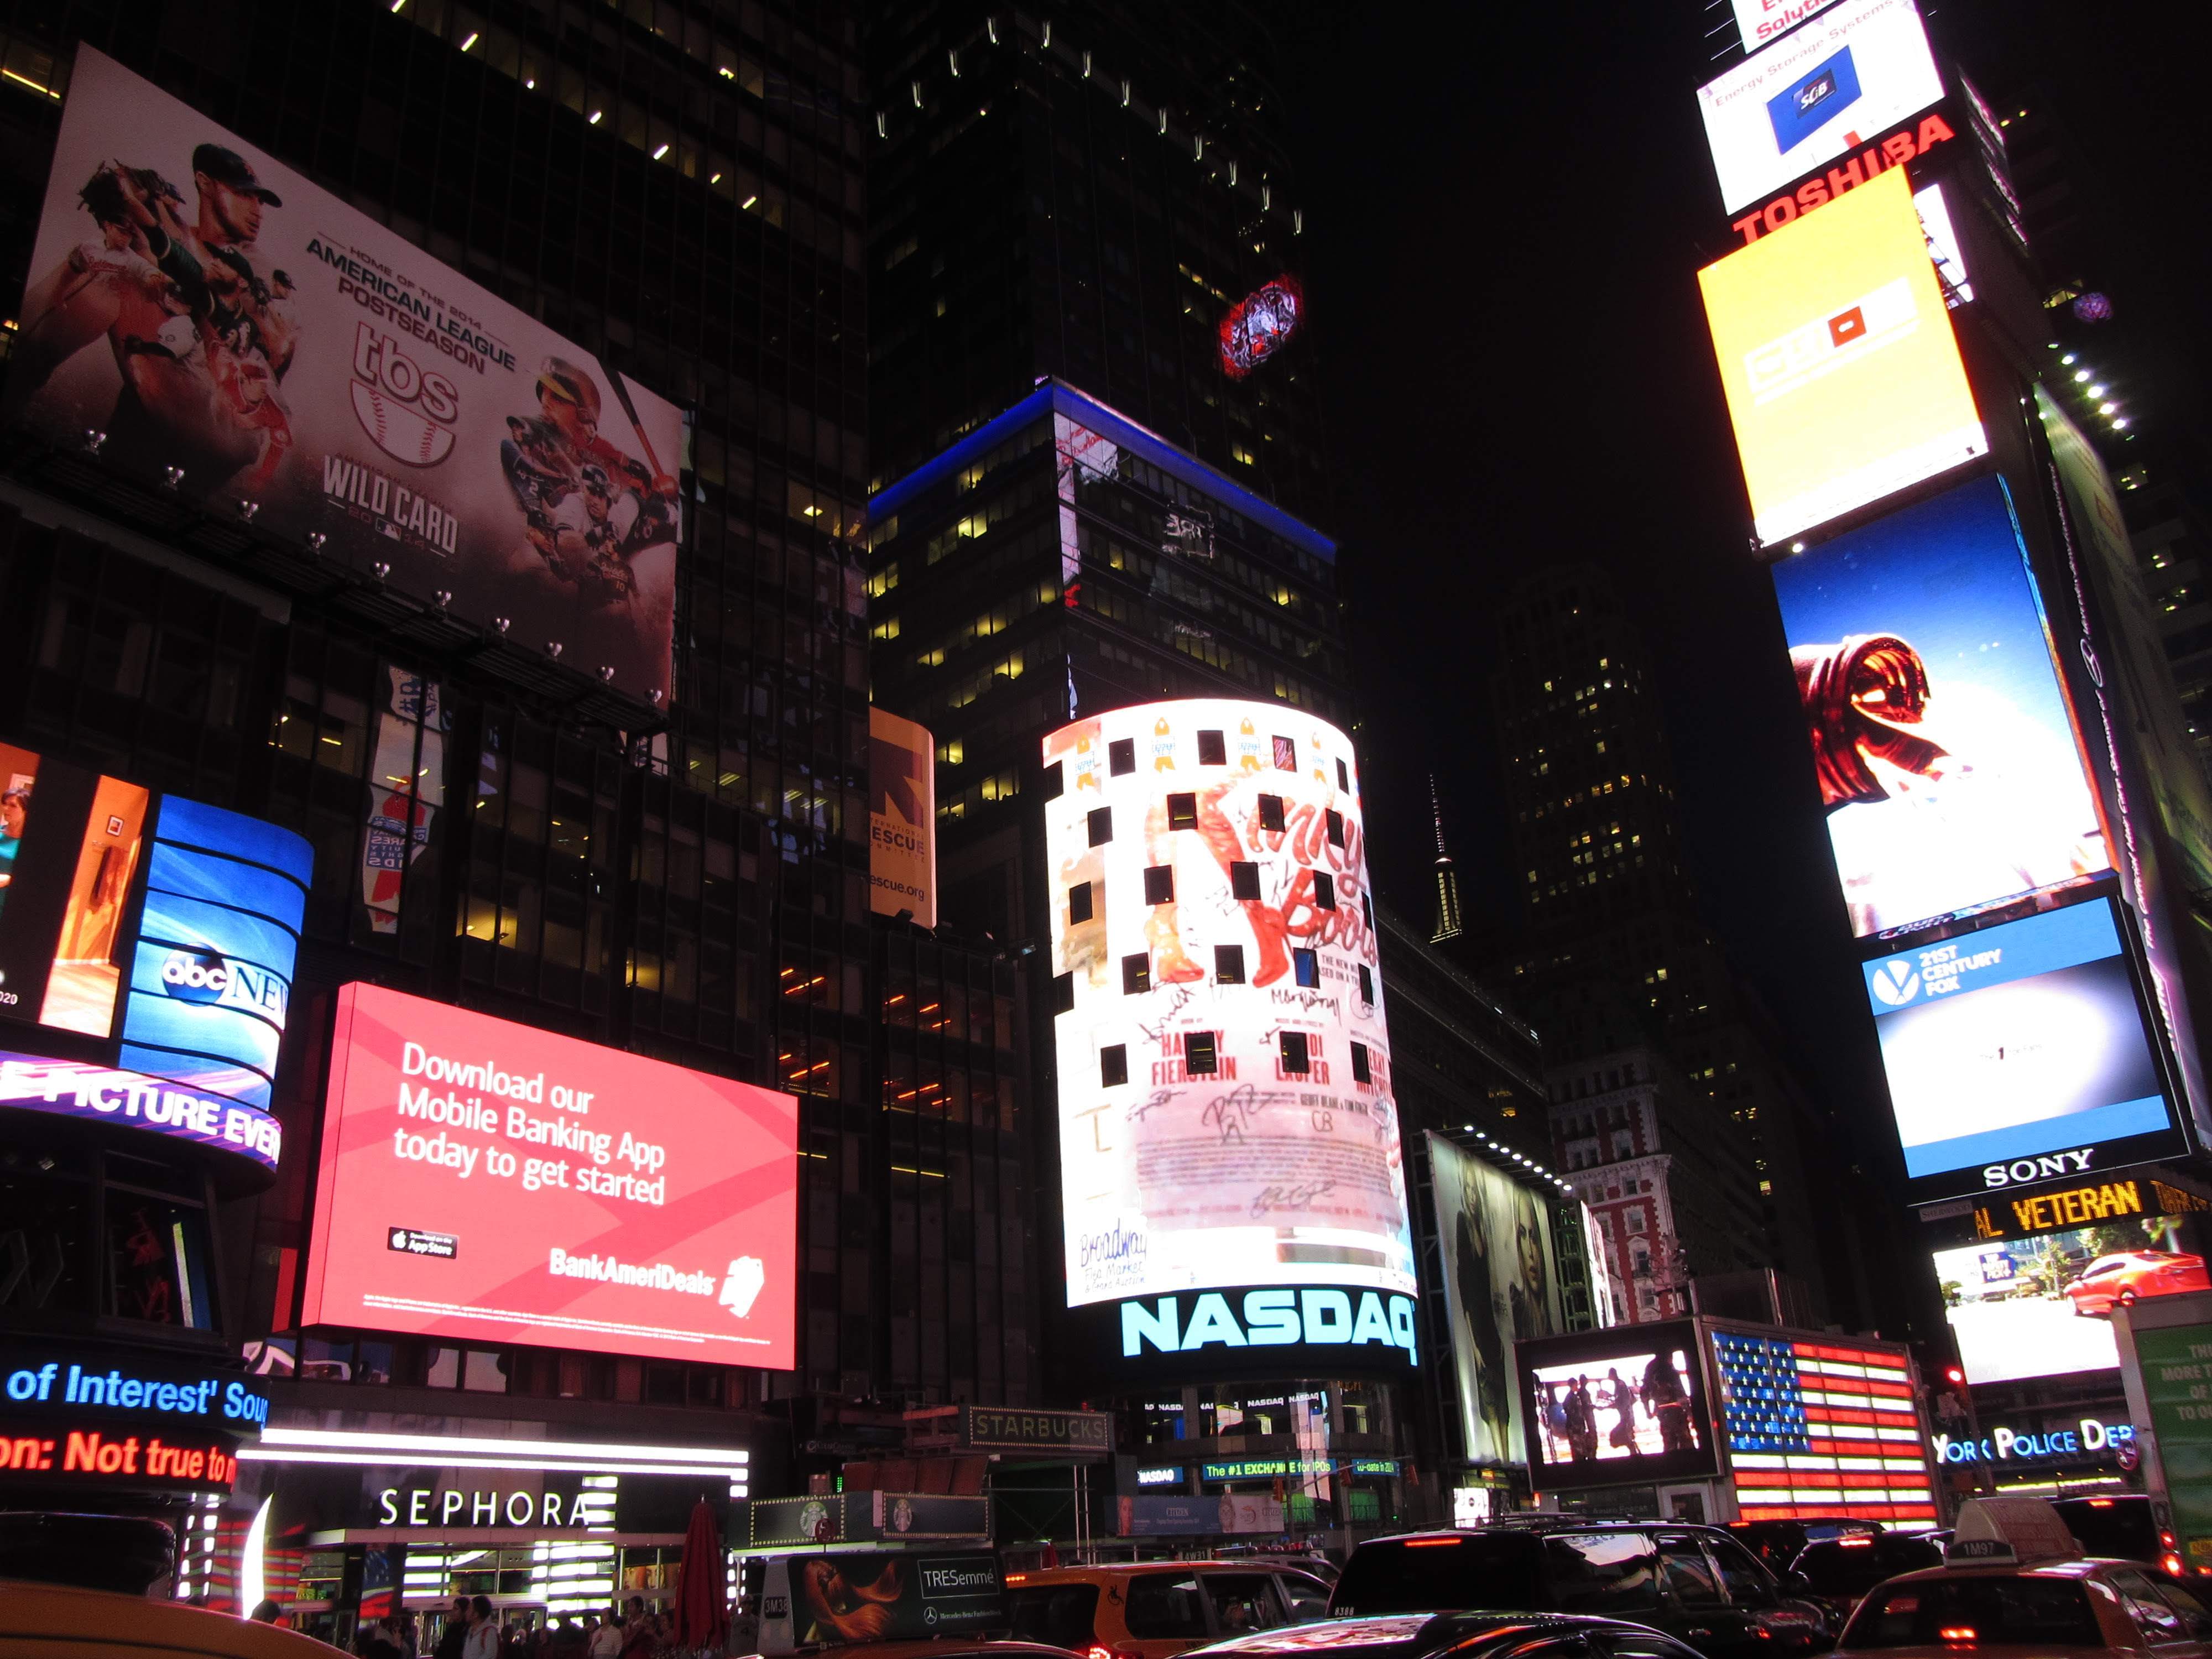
901,819
204,308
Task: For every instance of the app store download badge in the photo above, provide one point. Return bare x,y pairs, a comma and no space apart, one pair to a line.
413,1240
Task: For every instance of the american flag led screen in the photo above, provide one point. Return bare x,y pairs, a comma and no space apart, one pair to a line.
1821,1429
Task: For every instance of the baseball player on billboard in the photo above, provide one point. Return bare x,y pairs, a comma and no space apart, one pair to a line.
589,510
188,311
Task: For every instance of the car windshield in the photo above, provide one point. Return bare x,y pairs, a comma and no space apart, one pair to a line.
1422,1575
1839,1568
1058,1615
2050,1611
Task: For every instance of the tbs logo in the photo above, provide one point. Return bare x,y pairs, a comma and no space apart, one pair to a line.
204,977
408,409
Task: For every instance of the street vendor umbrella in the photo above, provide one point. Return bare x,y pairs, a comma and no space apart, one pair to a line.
703,1612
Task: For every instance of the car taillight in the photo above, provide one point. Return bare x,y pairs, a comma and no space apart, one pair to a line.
2171,1562
1959,1633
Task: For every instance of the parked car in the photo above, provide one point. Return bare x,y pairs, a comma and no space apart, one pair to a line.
1460,1635
1838,1571
2061,1607
1779,1543
1695,1584
2120,1528
2112,1281
1157,1609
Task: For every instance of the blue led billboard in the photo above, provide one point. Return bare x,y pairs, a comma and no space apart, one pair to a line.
212,975
2019,1053
1942,741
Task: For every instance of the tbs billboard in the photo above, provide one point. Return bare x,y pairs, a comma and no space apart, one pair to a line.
486,1181
1230,1161
216,316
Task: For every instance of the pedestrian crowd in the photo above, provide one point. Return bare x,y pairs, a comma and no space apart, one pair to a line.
473,1630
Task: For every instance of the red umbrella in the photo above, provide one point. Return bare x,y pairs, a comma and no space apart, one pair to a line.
702,1612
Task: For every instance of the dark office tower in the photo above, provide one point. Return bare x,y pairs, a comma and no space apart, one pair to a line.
499,825
1614,957
1101,196
1059,562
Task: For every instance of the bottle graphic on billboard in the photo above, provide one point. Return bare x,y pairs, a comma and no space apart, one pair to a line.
1226,1115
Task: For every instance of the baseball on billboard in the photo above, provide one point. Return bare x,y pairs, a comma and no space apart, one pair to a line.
205,317
489,1181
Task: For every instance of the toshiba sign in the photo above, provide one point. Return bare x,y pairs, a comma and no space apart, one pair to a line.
482,1180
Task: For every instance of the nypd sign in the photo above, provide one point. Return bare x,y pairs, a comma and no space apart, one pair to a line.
1354,1325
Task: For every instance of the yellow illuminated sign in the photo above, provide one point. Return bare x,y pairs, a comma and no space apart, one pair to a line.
2083,1206
1843,377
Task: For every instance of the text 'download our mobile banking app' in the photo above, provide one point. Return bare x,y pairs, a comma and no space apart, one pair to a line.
482,1179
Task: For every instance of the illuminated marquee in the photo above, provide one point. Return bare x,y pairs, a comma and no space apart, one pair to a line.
68,1088
1227,1120
2083,1206
1269,1318
70,1418
1915,138
2090,1439
1259,325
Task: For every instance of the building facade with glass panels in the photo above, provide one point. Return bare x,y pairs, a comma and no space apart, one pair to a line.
677,189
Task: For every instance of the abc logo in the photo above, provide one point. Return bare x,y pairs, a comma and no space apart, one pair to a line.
195,976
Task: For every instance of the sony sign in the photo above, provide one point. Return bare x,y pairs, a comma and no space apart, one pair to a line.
2052,1166
1268,1318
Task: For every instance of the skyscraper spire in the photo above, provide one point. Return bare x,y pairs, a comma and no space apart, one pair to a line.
1447,875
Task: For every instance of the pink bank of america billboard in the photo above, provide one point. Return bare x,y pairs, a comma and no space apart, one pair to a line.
208,309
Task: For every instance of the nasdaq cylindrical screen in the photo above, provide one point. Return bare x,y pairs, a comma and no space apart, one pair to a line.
1232,1168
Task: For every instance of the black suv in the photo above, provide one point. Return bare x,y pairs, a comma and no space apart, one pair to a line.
1696,1584
2120,1525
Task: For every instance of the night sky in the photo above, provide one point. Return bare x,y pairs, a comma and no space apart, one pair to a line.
1506,212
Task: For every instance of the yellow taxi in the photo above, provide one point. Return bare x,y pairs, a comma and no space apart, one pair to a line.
2014,1582
1157,1609
60,1621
